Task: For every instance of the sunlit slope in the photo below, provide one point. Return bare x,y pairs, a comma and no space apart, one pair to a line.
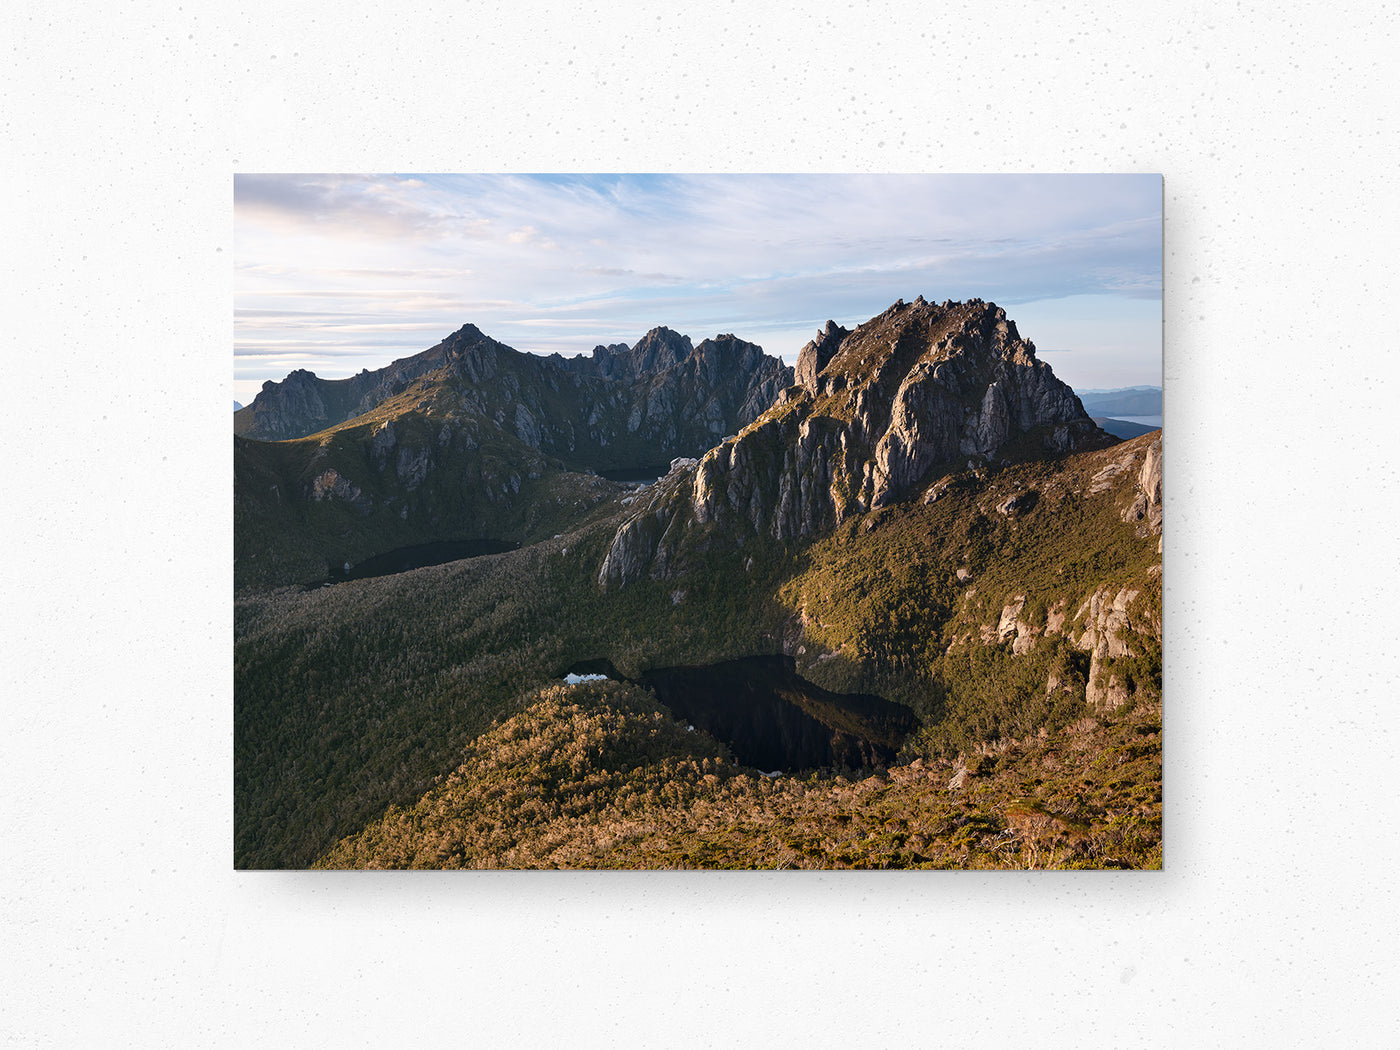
600,776
995,603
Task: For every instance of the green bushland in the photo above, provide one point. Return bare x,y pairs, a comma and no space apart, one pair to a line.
600,776
348,698
353,698
883,591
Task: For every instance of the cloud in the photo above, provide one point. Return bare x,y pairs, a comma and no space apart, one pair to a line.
610,256
347,206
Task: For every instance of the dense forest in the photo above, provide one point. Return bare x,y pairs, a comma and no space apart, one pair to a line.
976,609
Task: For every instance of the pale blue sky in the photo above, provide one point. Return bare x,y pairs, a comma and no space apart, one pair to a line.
336,273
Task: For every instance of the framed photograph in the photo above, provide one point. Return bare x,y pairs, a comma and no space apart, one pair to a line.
711,521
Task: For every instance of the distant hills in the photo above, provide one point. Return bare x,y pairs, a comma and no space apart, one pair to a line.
1125,401
1123,428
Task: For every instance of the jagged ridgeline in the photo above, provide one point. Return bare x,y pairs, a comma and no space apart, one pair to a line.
947,574
472,440
878,413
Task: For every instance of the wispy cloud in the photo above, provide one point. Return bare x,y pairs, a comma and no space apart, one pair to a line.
348,206
532,259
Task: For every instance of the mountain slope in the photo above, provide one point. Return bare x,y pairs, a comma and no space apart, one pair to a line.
475,446
600,776
1003,636
902,400
303,403
988,625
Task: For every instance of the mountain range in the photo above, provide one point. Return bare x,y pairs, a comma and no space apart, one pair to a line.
471,439
1122,428
898,606
1124,401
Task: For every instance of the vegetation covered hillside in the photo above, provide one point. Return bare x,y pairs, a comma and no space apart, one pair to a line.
986,605
922,582
598,775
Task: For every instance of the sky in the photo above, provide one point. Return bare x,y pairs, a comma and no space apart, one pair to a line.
338,273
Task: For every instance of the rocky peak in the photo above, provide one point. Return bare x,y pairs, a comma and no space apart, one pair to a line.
714,357
475,356
658,350
602,357
467,331
904,398
813,357
745,379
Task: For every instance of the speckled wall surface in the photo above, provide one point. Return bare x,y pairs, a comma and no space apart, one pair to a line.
1275,921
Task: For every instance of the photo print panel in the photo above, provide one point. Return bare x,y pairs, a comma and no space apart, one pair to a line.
698,521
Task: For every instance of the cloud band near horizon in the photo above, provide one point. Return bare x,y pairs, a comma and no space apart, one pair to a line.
335,273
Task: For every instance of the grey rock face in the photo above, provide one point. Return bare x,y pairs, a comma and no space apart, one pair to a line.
900,400
526,429
815,356
1110,622
633,548
330,484
383,442
658,350
412,466
1148,506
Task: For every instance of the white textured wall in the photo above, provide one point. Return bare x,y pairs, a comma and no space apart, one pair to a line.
1275,923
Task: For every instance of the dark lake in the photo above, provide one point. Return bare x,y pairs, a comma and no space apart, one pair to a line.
402,559
774,719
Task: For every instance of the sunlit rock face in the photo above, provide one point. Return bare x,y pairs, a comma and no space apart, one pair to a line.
877,414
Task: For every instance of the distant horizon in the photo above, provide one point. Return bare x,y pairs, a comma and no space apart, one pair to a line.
787,359
340,273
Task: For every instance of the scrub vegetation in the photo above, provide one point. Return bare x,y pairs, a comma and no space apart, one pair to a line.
430,692
598,775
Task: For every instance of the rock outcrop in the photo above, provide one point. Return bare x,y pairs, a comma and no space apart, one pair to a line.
1114,625
881,412
817,354
1147,505
658,350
